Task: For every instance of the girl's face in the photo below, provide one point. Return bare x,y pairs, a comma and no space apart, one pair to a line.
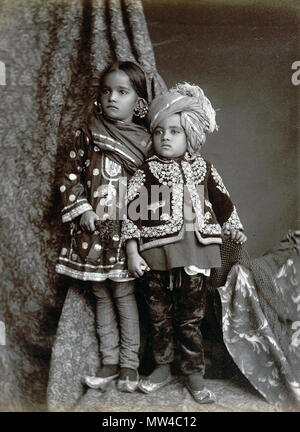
169,138
118,97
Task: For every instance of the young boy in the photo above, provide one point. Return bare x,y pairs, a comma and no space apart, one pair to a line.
174,255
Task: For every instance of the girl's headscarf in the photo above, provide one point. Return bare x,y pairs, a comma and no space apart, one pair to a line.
128,144
197,114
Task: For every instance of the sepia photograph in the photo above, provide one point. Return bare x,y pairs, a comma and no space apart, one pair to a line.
150,209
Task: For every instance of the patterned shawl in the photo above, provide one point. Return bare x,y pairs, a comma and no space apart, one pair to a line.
126,143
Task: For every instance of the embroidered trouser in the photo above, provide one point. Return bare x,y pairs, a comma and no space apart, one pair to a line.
119,342
176,304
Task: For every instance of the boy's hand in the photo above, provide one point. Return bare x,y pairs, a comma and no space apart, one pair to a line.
235,235
87,220
136,264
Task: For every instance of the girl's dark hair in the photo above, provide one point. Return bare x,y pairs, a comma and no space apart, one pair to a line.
135,74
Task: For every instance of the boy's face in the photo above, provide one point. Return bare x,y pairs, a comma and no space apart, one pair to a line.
118,97
169,138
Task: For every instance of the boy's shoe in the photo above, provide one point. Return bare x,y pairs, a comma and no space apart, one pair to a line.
201,394
148,386
128,380
99,382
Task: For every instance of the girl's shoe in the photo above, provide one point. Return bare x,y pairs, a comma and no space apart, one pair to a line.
128,381
107,374
99,382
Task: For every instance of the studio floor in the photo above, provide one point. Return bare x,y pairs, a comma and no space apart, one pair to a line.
233,395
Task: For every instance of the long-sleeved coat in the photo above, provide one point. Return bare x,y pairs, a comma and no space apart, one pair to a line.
157,219
102,158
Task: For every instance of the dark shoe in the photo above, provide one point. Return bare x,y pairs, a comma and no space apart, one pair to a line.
147,386
99,382
203,396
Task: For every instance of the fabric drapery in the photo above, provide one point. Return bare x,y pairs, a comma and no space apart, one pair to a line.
260,320
54,52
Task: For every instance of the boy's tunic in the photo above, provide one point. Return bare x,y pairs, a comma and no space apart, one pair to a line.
165,221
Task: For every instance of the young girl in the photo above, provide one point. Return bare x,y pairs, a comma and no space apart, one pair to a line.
173,186
106,151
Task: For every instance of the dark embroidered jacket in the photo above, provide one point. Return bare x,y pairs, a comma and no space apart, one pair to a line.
162,191
103,156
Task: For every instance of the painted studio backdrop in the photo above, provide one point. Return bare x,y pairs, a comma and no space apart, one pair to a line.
52,54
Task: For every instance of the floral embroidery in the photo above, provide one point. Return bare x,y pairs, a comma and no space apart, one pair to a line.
189,175
175,221
211,229
129,230
165,217
233,221
219,181
199,170
167,173
135,184
207,216
193,193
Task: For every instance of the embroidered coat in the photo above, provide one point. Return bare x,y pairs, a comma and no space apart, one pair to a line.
102,158
157,193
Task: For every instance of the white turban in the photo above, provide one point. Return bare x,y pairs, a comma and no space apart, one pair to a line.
197,114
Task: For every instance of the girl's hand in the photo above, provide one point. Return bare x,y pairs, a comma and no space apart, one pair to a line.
87,220
235,235
136,264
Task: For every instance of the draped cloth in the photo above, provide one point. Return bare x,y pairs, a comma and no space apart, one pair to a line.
261,321
126,144
54,52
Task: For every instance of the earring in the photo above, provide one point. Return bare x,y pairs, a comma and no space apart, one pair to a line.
98,106
141,108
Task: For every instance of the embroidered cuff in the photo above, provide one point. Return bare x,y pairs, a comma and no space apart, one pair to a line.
130,231
233,222
78,208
